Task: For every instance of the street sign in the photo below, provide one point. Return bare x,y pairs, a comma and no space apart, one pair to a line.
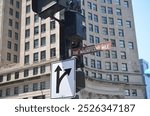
92,48
63,79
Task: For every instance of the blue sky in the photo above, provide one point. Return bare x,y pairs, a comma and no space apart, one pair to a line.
141,9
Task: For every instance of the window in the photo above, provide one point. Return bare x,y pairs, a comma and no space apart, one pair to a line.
134,92
128,24
131,46
36,18
93,75
108,66
114,54
16,36
115,66
110,10
27,33
36,30
52,25
43,55
15,47
127,92
43,28
95,18
28,21
17,15
11,11
98,64
42,69
1,78
42,85
109,77
36,57
112,31
104,20
123,55
17,4
111,21
26,59
36,43
124,67
28,9
94,7
118,2
116,78
105,31
86,61
103,1
121,32
8,92
27,46
35,86
43,41
82,1
10,33
126,4
109,1
25,88
52,52
16,75
92,63
10,22
125,78
97,40
98,53
99,76
9,44
107,54
89,5
52,38
96,29
35,70
122,43
16,25
90,16
9,56
103,9
15,58
16,90
91,27
26,72
1,93
91,38
119,21
118,12
113,42
11,2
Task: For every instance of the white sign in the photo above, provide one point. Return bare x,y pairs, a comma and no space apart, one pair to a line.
63,79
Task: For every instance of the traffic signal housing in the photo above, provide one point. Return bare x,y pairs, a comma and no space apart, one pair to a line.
75,26
47,8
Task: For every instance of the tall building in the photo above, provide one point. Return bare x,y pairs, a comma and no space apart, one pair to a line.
10,15
109,74
144,67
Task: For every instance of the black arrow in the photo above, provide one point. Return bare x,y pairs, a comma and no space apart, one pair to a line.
59,79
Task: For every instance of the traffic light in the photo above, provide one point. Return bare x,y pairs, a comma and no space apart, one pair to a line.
47,8
75,26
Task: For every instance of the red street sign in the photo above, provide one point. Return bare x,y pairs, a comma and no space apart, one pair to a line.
92,48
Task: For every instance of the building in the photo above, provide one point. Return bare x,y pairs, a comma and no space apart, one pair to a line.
109,74
10,17
144,67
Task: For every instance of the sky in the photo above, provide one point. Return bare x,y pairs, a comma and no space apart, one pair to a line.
141,9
